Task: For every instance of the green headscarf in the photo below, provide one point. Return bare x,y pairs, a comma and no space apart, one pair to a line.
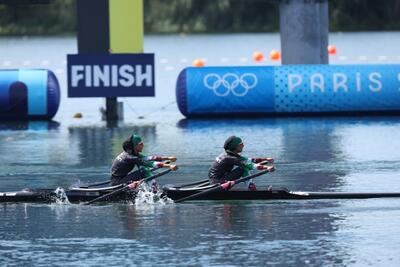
232,142
136,139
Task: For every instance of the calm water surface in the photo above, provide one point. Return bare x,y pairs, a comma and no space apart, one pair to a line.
312,154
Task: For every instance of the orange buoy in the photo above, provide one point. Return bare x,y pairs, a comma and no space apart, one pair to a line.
258,56
198,63
331,49
274,55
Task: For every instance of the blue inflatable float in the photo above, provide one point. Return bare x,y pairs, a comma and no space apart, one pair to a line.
28,94
289,90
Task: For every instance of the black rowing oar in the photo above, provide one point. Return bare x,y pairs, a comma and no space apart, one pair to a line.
127,186
222,187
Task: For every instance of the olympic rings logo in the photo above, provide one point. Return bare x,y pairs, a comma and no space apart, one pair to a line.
230,82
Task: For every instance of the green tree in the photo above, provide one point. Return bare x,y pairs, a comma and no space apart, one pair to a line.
48,17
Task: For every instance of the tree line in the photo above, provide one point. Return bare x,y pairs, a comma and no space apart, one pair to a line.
55,17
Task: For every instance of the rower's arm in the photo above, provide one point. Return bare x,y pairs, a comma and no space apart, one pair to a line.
249,163
155,162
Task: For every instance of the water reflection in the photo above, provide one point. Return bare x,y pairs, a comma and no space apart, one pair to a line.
29,125
229,228
99,145
280,233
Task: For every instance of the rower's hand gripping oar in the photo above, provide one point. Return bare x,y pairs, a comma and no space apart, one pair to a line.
128,186
266,161
225,186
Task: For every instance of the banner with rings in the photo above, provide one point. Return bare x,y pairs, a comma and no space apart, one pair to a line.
228,89
289,89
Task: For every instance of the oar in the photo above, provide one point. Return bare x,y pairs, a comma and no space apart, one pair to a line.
127,186
222,187
193,184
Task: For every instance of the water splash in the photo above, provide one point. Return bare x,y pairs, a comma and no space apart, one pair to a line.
147,197
61,197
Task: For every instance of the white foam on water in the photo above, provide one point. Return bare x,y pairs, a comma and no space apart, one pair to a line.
146,198
61,197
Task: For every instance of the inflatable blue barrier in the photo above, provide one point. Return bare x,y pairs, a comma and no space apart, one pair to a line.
28,94
289,89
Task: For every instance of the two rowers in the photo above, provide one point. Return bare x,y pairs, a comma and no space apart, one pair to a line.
228,166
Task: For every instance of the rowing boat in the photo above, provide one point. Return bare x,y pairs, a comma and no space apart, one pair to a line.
181,192
238,194
79,194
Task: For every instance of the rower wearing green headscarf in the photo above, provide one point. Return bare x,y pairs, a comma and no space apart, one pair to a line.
124,163
230,165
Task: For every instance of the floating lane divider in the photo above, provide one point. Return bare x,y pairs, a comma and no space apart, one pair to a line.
28,94
288,90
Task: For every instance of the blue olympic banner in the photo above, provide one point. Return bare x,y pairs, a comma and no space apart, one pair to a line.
289,89
110,75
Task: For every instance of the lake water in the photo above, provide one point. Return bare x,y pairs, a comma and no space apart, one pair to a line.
351,154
